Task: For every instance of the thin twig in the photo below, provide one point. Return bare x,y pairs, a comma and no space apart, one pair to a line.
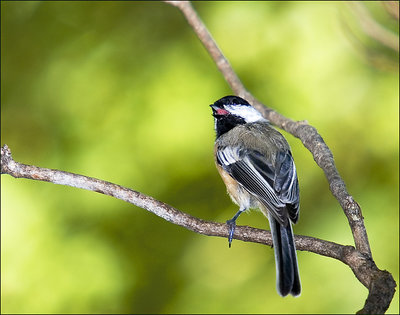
392,7
372,28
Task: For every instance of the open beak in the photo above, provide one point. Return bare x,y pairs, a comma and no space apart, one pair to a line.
217,111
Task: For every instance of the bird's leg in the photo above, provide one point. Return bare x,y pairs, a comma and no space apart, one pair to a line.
232,225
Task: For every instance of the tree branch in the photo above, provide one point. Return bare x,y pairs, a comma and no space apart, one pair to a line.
364,268
302,130
163,210
392,7
372,28
378,300
380,283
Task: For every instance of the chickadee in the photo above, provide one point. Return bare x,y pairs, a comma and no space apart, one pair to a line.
256,165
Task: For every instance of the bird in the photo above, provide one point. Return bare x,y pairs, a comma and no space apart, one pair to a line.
255,162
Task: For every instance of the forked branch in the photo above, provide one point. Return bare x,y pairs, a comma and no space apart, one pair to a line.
380,284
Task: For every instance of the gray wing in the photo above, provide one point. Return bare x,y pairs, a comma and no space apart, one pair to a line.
275,186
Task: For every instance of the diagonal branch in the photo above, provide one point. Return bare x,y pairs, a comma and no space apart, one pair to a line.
378,299
372,28
302,130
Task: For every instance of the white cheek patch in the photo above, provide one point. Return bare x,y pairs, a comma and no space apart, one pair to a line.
249,113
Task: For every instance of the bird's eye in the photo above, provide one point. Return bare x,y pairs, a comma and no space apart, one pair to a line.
236,101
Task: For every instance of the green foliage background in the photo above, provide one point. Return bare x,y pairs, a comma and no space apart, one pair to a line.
120,91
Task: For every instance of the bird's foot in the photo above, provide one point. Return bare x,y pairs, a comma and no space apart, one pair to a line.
231,225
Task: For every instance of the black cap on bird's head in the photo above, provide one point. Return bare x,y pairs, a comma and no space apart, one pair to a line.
221,107
231,111
231,100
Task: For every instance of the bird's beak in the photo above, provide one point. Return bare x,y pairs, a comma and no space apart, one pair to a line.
218,111
214,109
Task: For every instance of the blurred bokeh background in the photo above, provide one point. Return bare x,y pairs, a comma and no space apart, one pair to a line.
120,91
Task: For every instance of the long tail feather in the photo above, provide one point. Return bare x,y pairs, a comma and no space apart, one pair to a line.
287,272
